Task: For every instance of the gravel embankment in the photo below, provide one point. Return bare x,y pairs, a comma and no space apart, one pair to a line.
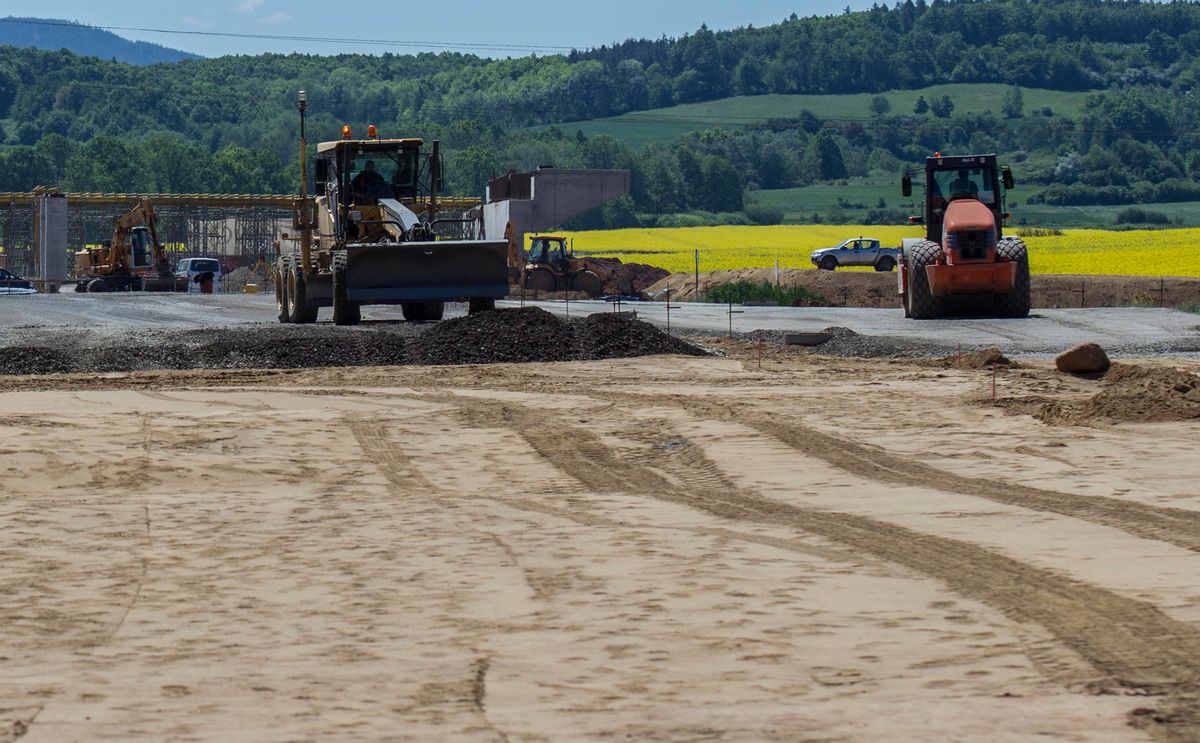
506,335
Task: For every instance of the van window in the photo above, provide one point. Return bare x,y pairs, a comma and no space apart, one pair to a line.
205,265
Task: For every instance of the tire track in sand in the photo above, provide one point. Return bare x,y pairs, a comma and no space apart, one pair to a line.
1177,526
1131,644
399,470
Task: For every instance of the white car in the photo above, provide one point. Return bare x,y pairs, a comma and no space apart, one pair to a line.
857,251
196,270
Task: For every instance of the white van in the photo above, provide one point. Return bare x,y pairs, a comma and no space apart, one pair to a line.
190,268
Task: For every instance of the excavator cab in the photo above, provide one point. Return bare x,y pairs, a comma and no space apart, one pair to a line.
141,248
549,250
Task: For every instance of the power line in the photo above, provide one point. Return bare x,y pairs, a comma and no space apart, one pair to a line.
313,39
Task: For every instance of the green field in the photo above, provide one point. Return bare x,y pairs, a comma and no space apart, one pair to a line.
665,124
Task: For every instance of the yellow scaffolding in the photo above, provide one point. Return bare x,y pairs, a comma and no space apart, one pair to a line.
277,201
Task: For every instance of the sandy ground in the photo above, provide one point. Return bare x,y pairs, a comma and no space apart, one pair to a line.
655,549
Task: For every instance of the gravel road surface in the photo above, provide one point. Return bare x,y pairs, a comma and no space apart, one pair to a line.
1129,331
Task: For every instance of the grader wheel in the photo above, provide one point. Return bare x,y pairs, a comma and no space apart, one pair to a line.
345,312
282,271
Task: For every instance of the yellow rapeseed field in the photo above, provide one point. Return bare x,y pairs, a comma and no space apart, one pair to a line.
1099,252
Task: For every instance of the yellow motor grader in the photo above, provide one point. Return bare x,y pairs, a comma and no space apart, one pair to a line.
373,234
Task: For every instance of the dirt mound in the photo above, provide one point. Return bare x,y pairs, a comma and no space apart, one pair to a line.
507,335
625,279
630,279
852,288
525,334
611,336
982,359
1143,394
533,334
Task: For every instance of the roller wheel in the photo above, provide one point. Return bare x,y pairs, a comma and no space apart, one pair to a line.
297,293
480,305
541,279
1018,301
282,271
423,311
587,282
97,286
921,303
829,263
345,312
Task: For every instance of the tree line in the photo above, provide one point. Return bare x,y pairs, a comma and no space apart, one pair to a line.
229,124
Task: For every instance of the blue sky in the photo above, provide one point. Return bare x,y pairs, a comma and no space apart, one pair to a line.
552,24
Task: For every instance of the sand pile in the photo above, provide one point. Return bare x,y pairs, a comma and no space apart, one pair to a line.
1128,392
508,335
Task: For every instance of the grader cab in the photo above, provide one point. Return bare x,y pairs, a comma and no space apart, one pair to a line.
964,264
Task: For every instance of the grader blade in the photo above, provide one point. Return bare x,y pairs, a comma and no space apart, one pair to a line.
443,270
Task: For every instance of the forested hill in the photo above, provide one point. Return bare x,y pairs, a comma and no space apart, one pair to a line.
1057,44
39,33
229,124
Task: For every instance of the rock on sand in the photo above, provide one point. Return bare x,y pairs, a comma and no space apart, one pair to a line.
1086,358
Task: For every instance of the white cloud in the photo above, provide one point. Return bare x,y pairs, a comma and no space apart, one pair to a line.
248,6
277,18
192,21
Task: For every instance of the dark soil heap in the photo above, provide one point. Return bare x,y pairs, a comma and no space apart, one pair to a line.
527,334
532,334
500,336
1129,392
613,336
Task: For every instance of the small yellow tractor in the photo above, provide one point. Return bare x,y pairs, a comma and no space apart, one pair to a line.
551,266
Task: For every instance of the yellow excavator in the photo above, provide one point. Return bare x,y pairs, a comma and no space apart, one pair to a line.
133,260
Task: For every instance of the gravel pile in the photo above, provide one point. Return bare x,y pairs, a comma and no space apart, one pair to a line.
527,334
507,335
848,343
614,336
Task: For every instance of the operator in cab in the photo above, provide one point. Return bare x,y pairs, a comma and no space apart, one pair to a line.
367,177
963,187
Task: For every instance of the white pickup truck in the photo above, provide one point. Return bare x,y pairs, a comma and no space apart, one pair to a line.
857,251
